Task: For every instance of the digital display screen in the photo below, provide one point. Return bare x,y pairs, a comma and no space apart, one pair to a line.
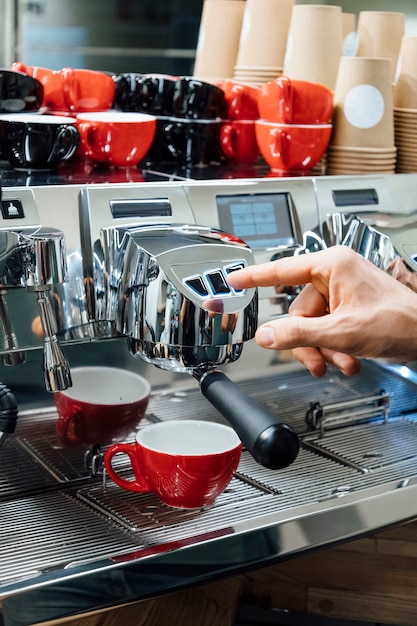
262,220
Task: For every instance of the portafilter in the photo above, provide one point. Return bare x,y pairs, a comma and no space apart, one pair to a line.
179,313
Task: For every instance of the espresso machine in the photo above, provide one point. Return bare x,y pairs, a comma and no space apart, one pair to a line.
138,272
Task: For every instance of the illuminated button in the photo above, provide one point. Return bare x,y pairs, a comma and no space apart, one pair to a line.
234,268
218,283
197,285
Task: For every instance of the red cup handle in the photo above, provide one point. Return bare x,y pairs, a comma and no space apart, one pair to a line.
65,429
88,138
18,66
69,88
227,141
285,104
139,483
282,147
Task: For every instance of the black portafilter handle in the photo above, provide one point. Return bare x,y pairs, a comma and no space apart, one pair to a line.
272,443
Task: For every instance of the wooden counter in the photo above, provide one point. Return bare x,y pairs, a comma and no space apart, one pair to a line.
371,579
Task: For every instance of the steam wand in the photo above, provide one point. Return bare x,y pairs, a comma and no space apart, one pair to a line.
57,373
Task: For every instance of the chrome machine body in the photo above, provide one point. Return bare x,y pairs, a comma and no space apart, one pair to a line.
135,267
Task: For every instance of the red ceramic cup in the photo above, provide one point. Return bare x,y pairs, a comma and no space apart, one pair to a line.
187,463
290,101
238,141
241,99
78,90
115,138
104,405
36,72
291,147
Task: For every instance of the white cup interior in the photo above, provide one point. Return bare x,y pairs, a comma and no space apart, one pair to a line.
188,437
114,117
107,385
37,118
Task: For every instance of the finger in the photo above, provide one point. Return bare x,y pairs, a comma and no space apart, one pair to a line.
294,331
312,359
348,365
296,270
309,303
316,361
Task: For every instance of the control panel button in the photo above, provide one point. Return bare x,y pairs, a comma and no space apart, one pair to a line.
197,285
218,283
234,268
12,209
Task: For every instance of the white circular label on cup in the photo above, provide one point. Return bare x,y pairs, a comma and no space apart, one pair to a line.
351,44
364,106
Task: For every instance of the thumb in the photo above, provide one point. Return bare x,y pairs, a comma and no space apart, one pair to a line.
297,331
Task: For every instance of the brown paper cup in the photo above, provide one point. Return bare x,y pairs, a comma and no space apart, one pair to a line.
218,40
264,33
315,43
363,99
380,34
349,23
405,89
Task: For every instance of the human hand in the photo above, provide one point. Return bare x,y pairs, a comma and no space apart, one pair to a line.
347,309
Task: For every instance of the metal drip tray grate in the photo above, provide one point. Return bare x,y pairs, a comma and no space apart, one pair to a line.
290,395
14,475
370,447
140,512
57,515
48,531
36,434
253,490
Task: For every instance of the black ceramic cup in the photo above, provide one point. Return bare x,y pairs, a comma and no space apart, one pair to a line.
197,99
193,142
19,92
159,151
33,141
144,93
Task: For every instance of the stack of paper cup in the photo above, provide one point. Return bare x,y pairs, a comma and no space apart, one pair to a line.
218,39
380,34
263,40
405,106
314,44
363,120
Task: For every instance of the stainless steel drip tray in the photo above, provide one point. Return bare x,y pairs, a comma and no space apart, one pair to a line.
59,521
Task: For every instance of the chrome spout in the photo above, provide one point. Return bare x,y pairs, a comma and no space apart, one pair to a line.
44,267
57,373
